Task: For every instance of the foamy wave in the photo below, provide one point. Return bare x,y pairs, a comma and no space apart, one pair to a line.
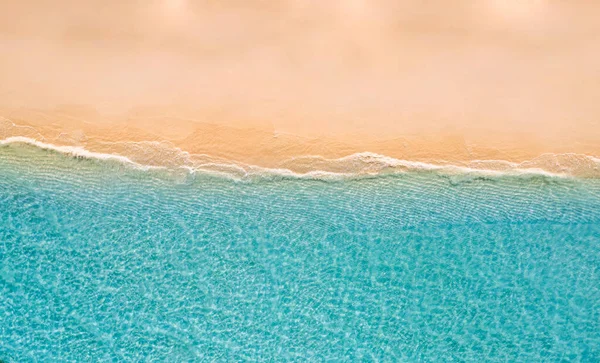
75,151
153,155
373,164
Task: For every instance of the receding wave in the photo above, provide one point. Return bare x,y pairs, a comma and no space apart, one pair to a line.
163,155
76,151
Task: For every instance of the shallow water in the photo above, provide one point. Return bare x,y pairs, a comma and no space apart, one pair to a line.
103,262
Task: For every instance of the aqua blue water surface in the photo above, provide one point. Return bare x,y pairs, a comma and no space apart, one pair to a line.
100,262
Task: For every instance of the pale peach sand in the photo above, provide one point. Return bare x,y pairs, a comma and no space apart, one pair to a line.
264,81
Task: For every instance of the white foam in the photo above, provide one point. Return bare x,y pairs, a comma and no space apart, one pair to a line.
70,150
390,162
363,164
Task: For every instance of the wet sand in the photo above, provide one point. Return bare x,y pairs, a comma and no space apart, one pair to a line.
270,147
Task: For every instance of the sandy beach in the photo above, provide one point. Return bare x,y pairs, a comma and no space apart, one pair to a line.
262,82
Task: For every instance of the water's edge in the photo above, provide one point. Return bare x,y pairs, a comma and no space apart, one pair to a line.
163,156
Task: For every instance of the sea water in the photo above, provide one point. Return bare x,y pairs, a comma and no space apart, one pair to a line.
100,261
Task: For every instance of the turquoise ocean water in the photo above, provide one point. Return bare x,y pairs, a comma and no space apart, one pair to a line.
103,262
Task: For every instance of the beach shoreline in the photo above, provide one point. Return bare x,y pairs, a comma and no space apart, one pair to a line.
264,83
174,141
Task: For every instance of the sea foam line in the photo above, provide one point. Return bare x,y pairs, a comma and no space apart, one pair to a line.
76,151
387,161
240,171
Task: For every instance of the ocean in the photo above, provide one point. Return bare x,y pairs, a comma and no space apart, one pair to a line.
101,260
